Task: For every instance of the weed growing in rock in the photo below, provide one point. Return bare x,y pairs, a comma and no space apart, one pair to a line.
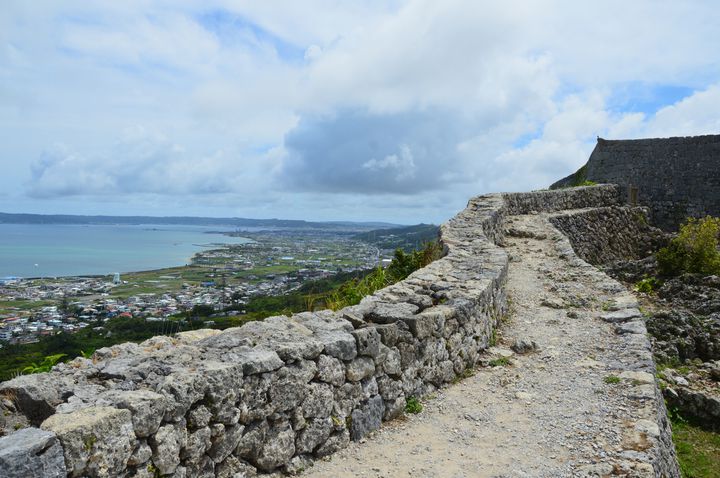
647,285
693,250
499,362
467,373
89,442
611,379
493,338
153,469
413,405
45,366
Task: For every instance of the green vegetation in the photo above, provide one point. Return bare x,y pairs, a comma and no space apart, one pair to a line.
500,362
647,285
333,292
611,379
402,265
586,183
698,450
47,363
578,178
407,238
693,250
413,405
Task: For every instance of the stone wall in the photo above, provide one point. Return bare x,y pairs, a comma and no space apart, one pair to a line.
608,234
274,395
674,177
557,200
588,240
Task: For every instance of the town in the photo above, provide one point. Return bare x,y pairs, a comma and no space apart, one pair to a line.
219,281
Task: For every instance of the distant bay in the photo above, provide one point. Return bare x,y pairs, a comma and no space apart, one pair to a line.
53,250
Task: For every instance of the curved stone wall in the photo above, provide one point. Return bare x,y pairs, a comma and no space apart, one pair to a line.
609,234
273,395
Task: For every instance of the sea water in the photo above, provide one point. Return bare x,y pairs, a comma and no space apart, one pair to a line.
53,250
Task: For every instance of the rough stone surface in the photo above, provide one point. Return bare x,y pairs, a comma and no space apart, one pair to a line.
272,395
665,173
37,395
96,441
547,413
367,418
31,452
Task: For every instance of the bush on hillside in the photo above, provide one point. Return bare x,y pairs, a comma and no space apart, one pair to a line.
693,250
402,265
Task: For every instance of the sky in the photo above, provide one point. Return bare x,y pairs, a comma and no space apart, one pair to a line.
394,111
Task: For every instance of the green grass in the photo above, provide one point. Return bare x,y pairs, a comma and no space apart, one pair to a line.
500,362
698,450
10,306
413,405
611,379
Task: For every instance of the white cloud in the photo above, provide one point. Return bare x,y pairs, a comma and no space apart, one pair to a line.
282,105
401,166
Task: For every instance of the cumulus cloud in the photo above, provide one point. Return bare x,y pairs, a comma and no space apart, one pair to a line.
307,106
400,165
141,162
369,153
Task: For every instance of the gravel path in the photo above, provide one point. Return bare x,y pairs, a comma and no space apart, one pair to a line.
550,412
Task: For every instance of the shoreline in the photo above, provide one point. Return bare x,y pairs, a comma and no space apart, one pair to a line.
208,247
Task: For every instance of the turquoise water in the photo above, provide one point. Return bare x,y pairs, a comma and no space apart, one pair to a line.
51,250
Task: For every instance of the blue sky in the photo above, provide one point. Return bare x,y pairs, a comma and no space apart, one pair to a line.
324,110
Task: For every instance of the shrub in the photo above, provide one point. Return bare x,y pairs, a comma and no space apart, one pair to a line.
402,265
413,405
587,183
647,285
693,250
500,362
45,366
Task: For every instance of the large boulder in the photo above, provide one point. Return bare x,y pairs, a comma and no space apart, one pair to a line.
97,441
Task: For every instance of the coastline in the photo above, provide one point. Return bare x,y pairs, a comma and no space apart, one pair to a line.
67,252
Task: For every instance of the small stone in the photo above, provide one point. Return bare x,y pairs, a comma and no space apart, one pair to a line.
621,315
553,303
523,346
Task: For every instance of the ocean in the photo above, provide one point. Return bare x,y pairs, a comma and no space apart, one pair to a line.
53,250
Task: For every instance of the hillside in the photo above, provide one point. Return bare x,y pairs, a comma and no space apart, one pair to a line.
407,238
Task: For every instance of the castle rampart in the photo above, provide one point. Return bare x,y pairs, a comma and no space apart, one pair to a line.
273,395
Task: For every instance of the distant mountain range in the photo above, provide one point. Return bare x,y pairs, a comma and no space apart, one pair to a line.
239,222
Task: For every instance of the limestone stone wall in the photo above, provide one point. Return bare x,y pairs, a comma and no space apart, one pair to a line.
584,237
609,234
674,177
275,394
270,395
561,199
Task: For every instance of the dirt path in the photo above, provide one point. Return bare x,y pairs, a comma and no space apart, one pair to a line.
550,413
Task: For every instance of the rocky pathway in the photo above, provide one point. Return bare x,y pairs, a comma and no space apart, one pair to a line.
561,409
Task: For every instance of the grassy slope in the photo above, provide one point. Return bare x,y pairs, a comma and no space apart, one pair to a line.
698,450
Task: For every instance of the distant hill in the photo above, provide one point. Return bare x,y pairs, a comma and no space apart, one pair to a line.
406,237
238,222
